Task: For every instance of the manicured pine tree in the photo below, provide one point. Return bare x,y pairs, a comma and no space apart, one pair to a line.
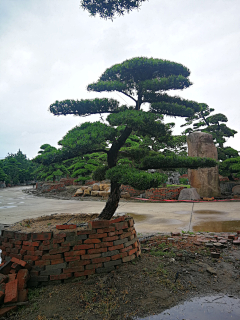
145,81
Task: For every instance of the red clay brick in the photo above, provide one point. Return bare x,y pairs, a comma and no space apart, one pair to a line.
22,277
125,235
23,295
103,245
90,251
66,226
14,250
11,291
60,235
84,273
46,242
92,241
121,225
4,311
57,261
21,236
91,256
42,263
110,239
119,256
31,257
58,240
23,252
12,277
94,266
110,229
120,246
102,259
21,262
84,232
119,219
100,224
51,256
111,234
59,250
130,222
83,246
97,235
74,253
41,236
36,253
30,243
74,269
79,263
76,258
128,258
132,251
126,249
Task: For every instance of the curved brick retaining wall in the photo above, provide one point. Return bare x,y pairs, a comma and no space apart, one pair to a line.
63,255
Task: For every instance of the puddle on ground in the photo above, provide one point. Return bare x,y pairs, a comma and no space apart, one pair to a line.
217,226
204,308
7,207
209,212
162,221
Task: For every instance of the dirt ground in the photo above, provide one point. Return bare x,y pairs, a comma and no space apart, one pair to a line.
170,270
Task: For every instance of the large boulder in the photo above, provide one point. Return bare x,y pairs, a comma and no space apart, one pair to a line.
189,194
236,189
205,180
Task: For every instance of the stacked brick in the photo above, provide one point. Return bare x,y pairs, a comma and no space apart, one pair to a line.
170,193
63,255
14,275
132,192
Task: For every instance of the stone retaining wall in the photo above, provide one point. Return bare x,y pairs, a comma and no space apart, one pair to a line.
63,255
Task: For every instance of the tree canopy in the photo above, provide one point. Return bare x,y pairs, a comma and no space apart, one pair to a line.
131,137
215,124
108,9
17,168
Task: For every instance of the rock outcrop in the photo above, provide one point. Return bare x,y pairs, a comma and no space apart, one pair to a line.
189,194
205,180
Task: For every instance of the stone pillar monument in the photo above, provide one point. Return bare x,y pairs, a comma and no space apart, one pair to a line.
205,180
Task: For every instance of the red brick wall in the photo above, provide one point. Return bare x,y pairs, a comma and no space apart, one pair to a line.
170,193
67,181
133,192
61,255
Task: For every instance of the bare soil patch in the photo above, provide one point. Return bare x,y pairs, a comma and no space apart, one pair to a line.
48,223
168,272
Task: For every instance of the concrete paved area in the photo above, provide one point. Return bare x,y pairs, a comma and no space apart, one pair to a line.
149,217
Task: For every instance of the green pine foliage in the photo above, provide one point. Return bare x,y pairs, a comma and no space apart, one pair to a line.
17,168
130,138
108,9
49,170
215,125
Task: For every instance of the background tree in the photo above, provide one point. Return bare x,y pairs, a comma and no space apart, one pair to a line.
108,9
145,82
18,168
83,167
215,124
50,171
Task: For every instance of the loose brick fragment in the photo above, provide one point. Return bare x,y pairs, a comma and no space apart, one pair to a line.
66,226
22,277
23,295
11,292
4,311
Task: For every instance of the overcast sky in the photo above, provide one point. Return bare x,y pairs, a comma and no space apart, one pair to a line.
51,50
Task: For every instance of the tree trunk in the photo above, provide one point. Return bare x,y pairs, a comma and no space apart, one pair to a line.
112,202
